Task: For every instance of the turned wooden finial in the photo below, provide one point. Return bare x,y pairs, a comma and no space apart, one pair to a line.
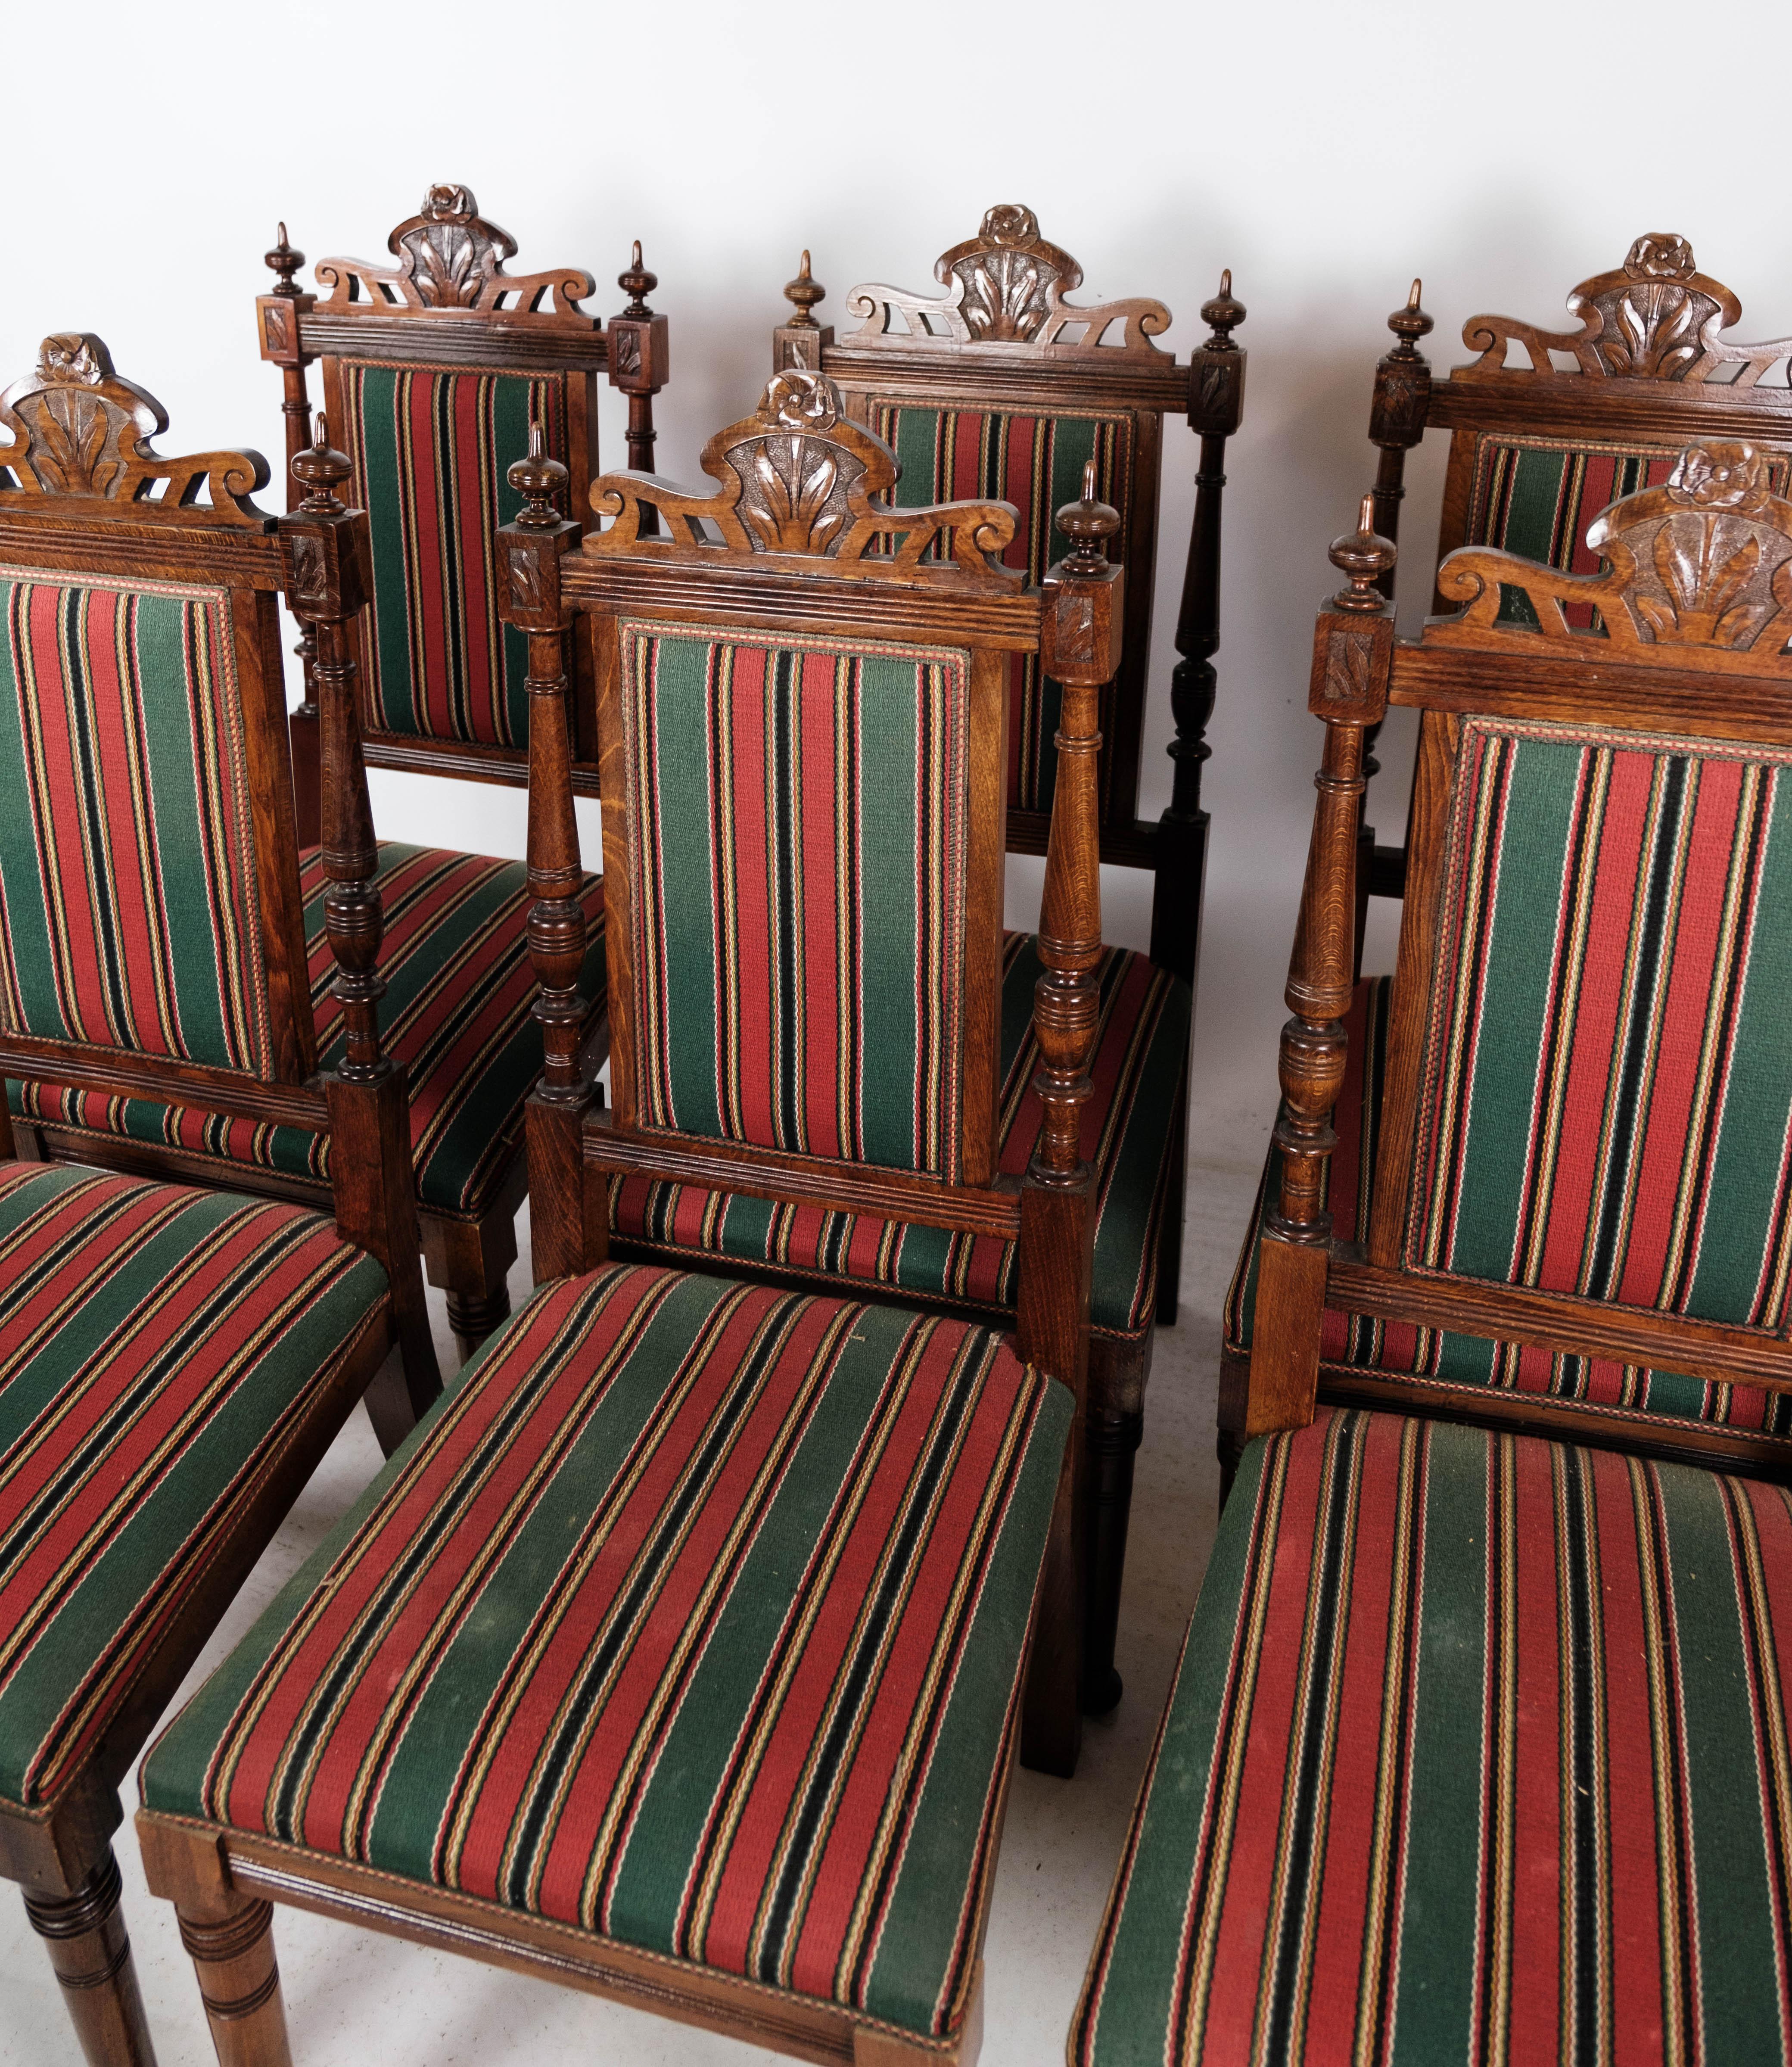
538,480
1222,315
637,283
1088,524
805,291
1365,557
1410,323
283,260
320,468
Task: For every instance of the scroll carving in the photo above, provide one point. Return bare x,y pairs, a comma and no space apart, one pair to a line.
1005,286
798,477
1703,562
450,260
78,430
1655,318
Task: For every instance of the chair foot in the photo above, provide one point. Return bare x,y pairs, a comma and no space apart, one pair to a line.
470,1261
239,1983
475,1315
92,1954
1111,1442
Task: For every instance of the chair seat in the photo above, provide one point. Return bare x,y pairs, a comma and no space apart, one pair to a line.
1603,1389
459,987
1129,1128
692,1617
1476,1751
158,1345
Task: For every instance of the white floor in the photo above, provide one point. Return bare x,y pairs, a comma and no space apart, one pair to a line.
351,1996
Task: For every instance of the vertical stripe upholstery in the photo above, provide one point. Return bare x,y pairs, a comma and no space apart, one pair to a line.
1604,1390
158,1345
131,917
1538,498
431,448
1476,1751
796,892
1036,463
693,1616
1607,1099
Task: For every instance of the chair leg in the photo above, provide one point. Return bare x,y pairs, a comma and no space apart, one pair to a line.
1051,1708
470,1261
1112,1442
1169,1229
239,1982
91,1955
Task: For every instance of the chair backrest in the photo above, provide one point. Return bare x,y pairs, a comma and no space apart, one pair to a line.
1586,1140
433,370
1547,428
801,715
1003,386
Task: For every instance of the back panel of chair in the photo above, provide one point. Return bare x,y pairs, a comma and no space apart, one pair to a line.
1003,387
152,934
1587,1143
433,372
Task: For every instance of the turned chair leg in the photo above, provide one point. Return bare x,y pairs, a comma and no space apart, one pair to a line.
1112,1441
239,1983
91,1955
470,1261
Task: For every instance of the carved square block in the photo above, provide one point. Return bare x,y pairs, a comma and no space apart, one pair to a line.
1215,393
1081,626
529,587
277,319
1353,654
640,354
328,564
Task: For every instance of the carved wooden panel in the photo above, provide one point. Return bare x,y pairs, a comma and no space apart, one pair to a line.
799,477
1701,565
451,260
1655,318
78,430
1005,286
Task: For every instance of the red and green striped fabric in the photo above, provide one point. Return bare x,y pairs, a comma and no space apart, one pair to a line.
1128,1128
1476,1751
1604,1390
796,892
456,1014
431,446
1538,498
1036,463
693,1615
158,1346
126,852
1607,1105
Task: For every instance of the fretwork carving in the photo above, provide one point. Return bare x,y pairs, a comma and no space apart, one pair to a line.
451,259
78,429
1704,561
799,477
1005,286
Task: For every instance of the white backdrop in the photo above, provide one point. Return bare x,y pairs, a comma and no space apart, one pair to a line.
1327,154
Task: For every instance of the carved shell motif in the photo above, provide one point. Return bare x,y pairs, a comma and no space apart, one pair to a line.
795,480
1008,286
74,433
452,258
1651,322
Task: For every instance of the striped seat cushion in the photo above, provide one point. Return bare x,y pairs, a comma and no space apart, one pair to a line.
1537,497
1476,1751
1128,1128
431,446
459,988
1036,463
128,883
693,1616
1607,1391
158,1346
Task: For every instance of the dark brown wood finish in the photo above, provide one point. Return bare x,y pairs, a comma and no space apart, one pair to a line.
1649,362
1695,598
860,570
82,494
1005,336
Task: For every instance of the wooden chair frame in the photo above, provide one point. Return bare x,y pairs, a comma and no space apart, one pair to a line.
850,568
449,302
1682,655
1649,362
82,495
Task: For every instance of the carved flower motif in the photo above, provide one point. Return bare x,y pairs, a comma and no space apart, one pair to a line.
1707,566
1659,255
1724,475
452,265
442,202
799,400
789,488
1009,223
1007,294
67,360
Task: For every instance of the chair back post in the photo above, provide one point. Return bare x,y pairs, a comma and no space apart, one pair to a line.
532,548
1081,626
1216,408
325,549
1398,412
639,366
277,315
1353,646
